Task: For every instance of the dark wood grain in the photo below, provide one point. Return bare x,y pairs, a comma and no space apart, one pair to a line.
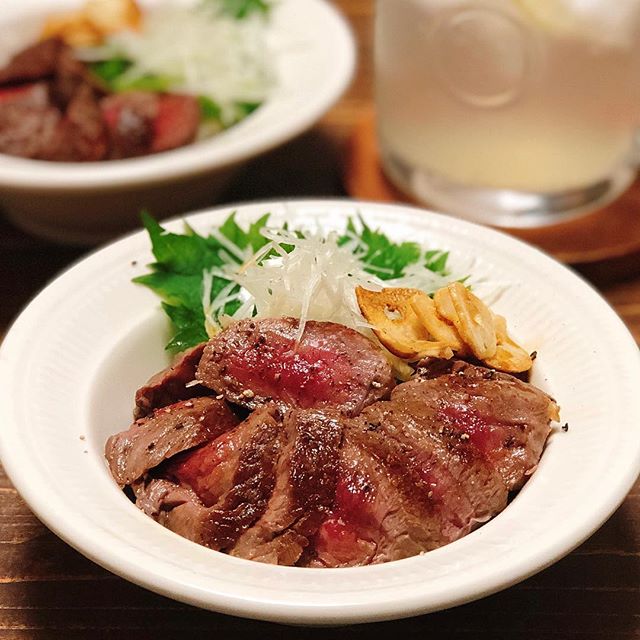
47,590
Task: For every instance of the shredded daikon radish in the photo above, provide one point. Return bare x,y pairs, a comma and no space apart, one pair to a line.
308,276
417,277
203,52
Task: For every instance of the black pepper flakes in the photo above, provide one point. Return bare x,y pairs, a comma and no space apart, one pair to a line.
565,427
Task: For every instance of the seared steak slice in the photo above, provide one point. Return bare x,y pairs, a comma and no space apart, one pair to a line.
170,385
373,519
86,133
30,126
28,95
129,119
169,430
143,122
255,361
213,494
459,491
157,496
70,75
36,62
398,495
479,411
304,492
176,123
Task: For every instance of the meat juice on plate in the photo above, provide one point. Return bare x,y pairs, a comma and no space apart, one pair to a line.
531,96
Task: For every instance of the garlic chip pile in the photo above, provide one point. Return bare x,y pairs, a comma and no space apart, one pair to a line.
412,326
90,25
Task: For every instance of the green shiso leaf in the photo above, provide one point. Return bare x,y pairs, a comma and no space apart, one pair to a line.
110,70
209,109
147,82
381,256
189,327
115,73
436,261
243,239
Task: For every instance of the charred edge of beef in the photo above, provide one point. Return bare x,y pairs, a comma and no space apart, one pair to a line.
175,501
304,491
168,431
480,412
170,385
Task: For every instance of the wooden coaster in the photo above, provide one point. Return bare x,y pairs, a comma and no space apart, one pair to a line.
609,233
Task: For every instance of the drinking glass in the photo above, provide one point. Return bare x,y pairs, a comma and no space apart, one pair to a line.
509,112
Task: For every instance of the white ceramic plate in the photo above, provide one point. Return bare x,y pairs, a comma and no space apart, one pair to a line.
72,361
314,59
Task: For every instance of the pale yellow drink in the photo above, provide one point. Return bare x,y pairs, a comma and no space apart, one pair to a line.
533,96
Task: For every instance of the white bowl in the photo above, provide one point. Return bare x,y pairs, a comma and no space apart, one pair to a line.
79,203
72,361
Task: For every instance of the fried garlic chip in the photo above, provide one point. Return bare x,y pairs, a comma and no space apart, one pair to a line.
97,19
397,325
437,327
470,316
509,356
73,28
110,16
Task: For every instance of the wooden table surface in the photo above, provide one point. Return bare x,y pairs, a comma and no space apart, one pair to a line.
47,590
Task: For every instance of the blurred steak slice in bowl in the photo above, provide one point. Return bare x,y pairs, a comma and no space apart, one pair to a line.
58,117
36,62
256,361
142,122
166,432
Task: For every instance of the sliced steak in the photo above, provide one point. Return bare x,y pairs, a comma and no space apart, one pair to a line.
30,126
129,119
170,385
461,491
86,133
478,411
210,470
166,432
212,495
318,488
176,122
143,122
255,361
157,496
36,62
304,491
70,75
372,519
32,95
